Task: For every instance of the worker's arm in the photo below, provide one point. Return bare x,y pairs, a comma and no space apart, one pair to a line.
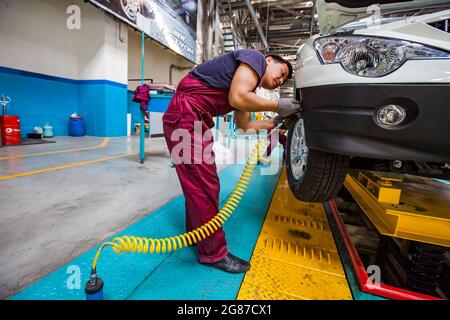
243,122
241,95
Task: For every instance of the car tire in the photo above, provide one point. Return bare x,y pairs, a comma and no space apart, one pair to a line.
313,176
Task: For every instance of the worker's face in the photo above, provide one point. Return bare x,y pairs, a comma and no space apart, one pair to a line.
276,74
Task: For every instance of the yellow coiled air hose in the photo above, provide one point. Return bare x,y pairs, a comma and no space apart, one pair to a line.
151,245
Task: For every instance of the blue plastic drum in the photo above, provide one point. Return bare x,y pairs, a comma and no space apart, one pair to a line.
77,126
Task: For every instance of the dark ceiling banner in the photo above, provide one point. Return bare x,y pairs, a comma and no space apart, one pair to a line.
173,23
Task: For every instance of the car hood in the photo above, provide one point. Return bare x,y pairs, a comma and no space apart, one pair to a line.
335,13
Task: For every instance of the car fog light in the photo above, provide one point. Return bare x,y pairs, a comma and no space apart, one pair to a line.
390,116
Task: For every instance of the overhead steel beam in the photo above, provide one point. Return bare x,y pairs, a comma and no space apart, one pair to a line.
292,12
275,33
295,3
233,31
267,21
257,24
281,37
282,51
275,22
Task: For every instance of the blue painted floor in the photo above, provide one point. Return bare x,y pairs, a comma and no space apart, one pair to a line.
175,275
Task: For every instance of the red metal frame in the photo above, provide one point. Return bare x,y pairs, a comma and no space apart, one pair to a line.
361,274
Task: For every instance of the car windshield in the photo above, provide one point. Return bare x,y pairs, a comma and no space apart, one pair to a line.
388,17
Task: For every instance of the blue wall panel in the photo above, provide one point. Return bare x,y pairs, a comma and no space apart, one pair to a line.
115,110
38,98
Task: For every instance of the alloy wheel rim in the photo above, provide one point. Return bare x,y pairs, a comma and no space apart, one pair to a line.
299,151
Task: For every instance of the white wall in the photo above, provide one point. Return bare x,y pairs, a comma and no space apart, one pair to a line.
157,61
103,47
34,37
116,51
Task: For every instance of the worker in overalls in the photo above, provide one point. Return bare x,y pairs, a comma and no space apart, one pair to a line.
217,87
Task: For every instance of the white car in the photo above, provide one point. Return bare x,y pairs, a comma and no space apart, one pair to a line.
375,91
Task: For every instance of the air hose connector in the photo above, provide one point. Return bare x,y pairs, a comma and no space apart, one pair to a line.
94,287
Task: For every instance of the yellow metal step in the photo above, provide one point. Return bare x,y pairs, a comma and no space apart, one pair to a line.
295,256
422,212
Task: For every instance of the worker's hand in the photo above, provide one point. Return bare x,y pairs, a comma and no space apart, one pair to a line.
288,122
287,106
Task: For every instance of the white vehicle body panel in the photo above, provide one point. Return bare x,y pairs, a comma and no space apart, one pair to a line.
333,15
309,71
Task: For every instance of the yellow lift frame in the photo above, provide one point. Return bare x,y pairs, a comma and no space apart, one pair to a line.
404,209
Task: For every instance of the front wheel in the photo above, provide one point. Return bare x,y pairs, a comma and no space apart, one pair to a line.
313,176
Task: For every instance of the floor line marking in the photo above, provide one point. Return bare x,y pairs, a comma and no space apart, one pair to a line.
102,145
66,166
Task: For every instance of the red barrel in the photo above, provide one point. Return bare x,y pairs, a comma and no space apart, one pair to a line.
10,128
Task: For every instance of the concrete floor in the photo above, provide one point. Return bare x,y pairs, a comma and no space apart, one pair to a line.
49,218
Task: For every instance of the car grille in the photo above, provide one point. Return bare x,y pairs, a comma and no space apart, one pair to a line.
443,25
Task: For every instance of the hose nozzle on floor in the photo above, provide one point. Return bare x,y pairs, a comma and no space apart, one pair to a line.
94,287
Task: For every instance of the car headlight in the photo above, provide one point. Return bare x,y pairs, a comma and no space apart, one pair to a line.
370,56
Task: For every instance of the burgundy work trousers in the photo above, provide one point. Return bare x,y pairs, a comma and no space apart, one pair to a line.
188,122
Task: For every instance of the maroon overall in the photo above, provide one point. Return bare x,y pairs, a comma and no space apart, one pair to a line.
196,101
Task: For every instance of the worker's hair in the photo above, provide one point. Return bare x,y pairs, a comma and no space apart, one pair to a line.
280,59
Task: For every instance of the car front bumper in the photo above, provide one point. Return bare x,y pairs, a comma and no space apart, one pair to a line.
340,119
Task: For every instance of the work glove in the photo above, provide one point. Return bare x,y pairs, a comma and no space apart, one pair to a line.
287,122
287,106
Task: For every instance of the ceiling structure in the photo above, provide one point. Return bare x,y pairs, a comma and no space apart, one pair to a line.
271,26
